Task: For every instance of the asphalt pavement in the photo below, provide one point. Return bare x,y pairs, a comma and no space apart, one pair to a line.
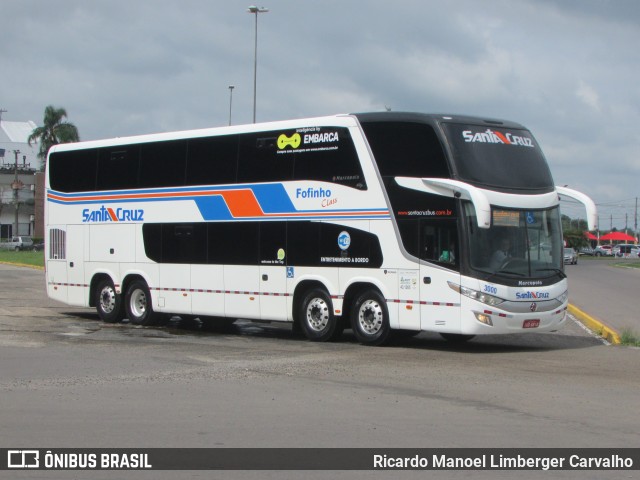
69,380
607,290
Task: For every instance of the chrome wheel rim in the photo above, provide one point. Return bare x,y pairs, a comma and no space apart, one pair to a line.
370,317
138,303
318,314
108,299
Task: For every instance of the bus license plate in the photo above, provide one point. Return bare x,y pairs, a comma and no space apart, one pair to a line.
531,324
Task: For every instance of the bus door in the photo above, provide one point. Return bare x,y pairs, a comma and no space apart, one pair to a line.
439,303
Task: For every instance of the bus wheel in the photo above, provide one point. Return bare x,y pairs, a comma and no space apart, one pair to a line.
138,304
370,318
456,337
317,320
108,302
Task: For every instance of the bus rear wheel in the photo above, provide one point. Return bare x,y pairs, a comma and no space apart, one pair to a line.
138,304
317,320
370,318
108,302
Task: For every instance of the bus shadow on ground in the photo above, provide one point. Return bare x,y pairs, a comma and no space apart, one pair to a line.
485,344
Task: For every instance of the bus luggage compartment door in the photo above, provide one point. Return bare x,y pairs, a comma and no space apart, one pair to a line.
77,292
439,304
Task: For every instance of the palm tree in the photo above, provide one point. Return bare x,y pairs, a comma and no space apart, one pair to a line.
54,131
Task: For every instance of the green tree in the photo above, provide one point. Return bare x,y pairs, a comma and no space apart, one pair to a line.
55,130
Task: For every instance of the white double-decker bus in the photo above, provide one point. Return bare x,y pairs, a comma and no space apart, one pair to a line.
379,222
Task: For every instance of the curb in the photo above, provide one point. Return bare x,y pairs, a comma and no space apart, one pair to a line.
25,265
596,326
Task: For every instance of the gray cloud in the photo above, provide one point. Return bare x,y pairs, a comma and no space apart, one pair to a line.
566,69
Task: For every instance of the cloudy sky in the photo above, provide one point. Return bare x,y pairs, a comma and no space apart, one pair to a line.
568,70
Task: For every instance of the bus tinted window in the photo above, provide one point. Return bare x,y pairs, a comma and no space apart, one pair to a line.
73,171
304,239
259,160
118,167
212,160
162,164
234,243
184,243
311,244
273,243
499,158
326,154
405,149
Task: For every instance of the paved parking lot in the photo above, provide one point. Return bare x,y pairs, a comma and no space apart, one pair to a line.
69,380
607,292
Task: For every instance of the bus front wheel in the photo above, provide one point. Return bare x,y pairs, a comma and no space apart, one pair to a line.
138,304
108,302
370,318
317,320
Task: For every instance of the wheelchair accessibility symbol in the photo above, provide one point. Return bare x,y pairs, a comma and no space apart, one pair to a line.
290,272
531,218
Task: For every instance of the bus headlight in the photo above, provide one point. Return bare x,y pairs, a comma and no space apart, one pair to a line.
475,295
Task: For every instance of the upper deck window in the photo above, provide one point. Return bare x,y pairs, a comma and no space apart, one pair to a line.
406,149
504,159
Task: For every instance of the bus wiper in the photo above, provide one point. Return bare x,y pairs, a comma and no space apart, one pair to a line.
556,270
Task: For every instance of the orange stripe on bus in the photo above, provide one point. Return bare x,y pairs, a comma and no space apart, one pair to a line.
242,203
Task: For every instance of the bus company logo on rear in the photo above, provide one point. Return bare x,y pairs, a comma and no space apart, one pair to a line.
108,214
490,136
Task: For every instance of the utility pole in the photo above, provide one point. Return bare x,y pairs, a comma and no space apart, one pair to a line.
626,223
15,185
2,110
635,222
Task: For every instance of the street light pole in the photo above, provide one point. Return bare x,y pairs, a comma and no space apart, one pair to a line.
255,10
231,87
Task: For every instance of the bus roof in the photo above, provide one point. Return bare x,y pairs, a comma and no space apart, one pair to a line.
433,118
335,120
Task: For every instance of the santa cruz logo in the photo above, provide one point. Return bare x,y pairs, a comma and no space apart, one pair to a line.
491,136
108,214
532,295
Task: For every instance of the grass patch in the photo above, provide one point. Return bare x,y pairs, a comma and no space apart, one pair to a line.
629,264
629,338
34,259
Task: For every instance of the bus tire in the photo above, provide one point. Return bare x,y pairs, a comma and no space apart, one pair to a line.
456,337
138,304
317,320
108,302
370,318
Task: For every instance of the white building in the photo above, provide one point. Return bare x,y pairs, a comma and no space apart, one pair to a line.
18,164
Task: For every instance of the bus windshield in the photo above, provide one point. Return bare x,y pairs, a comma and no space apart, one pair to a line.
519,244
504,159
